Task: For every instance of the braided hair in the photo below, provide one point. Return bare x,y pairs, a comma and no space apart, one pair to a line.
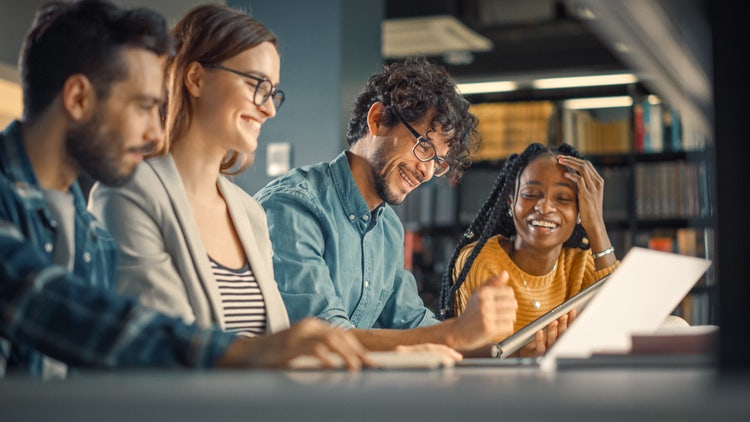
494,218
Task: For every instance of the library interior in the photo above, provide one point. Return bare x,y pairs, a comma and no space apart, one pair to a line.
650,91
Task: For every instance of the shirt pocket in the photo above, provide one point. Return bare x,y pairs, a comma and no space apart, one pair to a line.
370,318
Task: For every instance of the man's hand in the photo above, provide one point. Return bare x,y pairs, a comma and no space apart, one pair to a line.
490,314
309,337
449,356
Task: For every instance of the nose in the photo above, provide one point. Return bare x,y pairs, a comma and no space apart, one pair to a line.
154,129
544,206
427,168
268,108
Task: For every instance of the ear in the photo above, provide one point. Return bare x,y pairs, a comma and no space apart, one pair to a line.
78,97
194,79
375,117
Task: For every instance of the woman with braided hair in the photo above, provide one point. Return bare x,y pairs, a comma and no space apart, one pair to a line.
539,224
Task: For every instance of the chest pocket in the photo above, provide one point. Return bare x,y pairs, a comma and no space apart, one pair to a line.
370,318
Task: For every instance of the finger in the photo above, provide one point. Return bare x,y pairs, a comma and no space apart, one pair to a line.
562,324
551,333
539,341
353,354
447,352
323,354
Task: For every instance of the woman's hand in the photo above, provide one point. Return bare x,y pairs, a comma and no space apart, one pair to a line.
310,337
544,339
590,191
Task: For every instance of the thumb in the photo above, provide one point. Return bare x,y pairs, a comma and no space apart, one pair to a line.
498,280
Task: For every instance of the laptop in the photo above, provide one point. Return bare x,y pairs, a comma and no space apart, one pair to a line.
636,298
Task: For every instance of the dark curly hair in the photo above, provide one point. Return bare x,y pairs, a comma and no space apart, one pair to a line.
413,88
494,218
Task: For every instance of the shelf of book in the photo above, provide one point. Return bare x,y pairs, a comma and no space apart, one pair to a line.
656,171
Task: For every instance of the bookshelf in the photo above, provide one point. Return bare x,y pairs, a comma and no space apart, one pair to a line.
657,174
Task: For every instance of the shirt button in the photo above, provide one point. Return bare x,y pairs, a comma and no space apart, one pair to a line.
86,257
351,217
367,283
365,217
48,247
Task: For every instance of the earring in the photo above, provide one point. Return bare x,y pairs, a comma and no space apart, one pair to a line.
510,213
578,220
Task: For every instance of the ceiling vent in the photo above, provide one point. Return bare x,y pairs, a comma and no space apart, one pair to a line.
430,36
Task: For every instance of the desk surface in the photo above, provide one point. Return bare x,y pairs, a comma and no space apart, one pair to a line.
461,393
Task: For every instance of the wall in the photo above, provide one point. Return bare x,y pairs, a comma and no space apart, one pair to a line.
328,50
15,20
16,17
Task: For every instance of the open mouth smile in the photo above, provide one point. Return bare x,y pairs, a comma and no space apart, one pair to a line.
543,224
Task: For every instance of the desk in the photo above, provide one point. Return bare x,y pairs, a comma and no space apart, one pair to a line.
455,394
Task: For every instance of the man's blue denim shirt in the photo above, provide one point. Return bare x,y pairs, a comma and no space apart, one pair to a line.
333,258
74,317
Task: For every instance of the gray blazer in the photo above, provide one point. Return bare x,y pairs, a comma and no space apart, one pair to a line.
162,260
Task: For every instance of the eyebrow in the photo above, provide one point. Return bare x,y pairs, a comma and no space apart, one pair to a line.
148,99
259,74
537,183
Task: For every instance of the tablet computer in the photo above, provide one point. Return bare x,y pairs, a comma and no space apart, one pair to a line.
521,337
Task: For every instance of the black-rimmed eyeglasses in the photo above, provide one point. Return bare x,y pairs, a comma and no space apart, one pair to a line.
425,151
264,89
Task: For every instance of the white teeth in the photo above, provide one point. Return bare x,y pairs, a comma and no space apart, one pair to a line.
251,121
546,224
403,175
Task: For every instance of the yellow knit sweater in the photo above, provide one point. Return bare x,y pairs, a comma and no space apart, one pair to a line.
574,271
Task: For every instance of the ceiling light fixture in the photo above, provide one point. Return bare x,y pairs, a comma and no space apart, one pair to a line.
583,81
487,87
598,102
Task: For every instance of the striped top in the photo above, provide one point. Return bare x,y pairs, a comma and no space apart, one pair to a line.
241,298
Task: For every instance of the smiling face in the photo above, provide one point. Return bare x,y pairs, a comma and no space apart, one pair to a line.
225,105
545,207
396,172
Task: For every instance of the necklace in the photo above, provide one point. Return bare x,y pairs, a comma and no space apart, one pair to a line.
535,303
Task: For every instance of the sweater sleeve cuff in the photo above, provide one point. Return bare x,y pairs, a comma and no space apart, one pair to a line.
598,274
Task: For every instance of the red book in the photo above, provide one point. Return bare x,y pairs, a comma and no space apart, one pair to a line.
638,130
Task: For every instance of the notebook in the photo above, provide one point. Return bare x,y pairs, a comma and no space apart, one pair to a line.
638,296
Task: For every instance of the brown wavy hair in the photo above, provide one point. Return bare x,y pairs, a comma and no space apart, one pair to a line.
208,34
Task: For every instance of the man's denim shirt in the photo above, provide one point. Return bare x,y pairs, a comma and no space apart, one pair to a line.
333,258
74,317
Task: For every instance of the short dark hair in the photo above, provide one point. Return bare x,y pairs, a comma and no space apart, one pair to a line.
494,218
207,34
415,87
84,37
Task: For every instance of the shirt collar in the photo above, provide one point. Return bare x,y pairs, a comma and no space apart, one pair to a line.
351,198
16,161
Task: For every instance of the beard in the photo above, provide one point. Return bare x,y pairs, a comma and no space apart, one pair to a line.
98,152
384,191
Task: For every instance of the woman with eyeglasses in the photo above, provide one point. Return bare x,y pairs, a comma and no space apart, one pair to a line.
192,243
